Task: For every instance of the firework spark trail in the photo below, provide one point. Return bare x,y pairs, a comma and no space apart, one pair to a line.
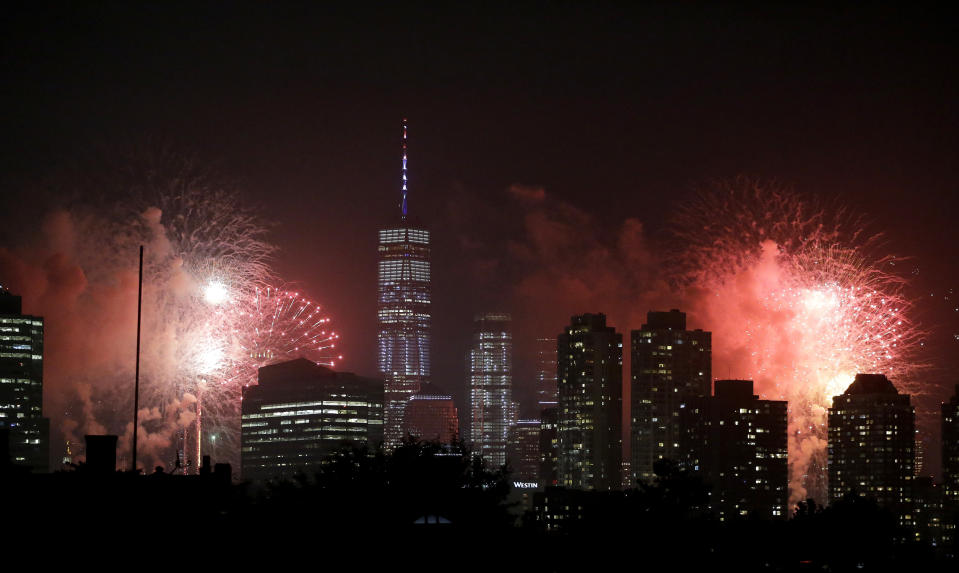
206,258
258,328
795,304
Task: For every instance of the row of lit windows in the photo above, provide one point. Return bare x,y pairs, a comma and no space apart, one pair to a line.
394,313
420,236
399,276
287,413
21,355
316,403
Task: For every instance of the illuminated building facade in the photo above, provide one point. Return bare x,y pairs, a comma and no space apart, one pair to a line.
871,444
492,410
403,312
589,424
669,366
738,444
431,416
950,448
21,385
546,391
299,412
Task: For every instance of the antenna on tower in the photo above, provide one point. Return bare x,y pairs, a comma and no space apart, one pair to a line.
403,205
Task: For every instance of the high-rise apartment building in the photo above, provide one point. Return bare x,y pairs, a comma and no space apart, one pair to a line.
546,391
589,425
431,416
492,410
871,444
21,385
300,412
403,311
738,444
950,447
670,366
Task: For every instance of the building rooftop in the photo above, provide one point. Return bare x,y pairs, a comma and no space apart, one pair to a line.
735,389
430,391
871,384
661,320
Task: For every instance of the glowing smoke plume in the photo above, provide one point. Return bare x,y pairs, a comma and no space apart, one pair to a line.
796,304
206,323
791,289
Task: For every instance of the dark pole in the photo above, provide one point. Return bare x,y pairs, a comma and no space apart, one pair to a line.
136,384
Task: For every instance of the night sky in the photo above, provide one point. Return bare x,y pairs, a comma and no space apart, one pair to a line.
615,111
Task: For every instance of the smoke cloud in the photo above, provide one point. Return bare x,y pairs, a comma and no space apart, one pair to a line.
786,285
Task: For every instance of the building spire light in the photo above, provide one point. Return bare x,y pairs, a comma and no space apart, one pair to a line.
403,205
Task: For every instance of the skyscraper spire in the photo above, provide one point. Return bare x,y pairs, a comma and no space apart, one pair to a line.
403,205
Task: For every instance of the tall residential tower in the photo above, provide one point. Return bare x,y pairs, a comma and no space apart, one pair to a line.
403,312
738,445
872,430
589,425
670,366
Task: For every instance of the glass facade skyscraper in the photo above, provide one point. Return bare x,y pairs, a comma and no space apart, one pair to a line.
491,396
403,313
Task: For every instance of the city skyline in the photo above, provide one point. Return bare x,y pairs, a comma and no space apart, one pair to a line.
552,278
535,162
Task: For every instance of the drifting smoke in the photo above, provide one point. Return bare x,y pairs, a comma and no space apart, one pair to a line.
795,303
791,290
211,312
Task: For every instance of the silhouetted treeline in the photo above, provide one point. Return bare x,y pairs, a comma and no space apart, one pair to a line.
668,524
440,485
441,507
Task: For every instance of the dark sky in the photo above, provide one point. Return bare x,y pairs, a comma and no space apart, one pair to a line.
617,110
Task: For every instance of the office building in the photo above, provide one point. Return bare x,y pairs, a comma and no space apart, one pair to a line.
670,365
589,425
403,311
492,410
871,444
300,412
21,385
431,416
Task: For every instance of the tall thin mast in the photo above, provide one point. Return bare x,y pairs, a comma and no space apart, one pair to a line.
403,205
136,378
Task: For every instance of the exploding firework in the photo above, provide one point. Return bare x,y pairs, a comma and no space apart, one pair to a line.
255,329
210,314
795,304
